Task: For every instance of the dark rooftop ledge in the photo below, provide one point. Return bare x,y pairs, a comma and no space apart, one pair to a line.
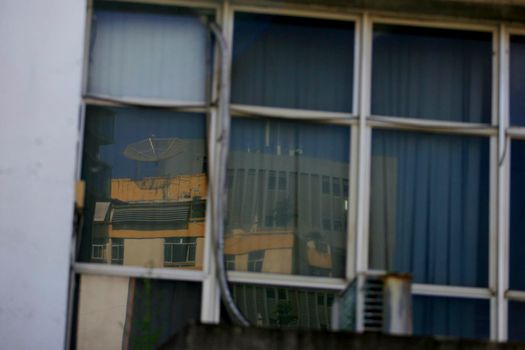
221,337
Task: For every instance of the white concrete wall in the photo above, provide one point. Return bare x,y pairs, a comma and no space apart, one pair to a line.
41,45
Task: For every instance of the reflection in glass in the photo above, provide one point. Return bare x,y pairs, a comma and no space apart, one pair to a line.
455,317
272,306
129,313
517,80
517,216
516,321
429,207
148,51
431,73
280,218
290,62
146,187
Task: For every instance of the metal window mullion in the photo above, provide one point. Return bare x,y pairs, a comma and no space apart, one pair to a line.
363,181
503,182
353,168
451,291
139,272
210,302
210,311
295,281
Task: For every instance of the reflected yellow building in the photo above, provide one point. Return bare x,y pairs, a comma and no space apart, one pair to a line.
153,222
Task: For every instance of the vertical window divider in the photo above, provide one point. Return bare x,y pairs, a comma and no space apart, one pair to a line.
350,271
210,304
363,182
493,207
503,180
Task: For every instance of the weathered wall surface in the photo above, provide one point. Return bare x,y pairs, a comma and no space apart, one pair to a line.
234,338
40,69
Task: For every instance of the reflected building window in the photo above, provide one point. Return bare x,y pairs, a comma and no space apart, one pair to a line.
117,251
179,251
283,212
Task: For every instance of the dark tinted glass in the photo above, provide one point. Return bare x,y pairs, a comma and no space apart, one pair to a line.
271,306
431,73
516,321
517,216
429,207
455,317
517,80
290,62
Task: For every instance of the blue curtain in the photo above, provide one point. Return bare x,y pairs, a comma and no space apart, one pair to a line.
429,207
282,61
453,317
517,80
432,74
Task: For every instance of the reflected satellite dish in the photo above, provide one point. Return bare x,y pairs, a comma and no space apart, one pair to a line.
154,149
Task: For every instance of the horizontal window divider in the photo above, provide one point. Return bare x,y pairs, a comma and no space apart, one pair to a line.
111,101
290,113
430,21
432,126
513,29
293,281
187,3
300,10
451,291
139,272
515,295
516,132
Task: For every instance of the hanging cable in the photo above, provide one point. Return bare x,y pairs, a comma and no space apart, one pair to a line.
221,139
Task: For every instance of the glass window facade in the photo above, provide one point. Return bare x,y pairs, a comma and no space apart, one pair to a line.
141,51
292,62
146,187
429,207
278,206
417,192
431,73
452,317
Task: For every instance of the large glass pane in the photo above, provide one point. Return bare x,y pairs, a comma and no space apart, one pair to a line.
516,321
517,216
431,73
146,51
517,80
429,207
455,317
281,218
146,187
129,313
293,62
272,306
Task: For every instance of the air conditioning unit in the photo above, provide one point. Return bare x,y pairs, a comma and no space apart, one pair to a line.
375,302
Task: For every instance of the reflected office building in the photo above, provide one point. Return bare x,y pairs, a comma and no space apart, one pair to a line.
287,197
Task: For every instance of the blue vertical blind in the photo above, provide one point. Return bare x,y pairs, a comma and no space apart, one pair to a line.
282,61
139,51
453,317
517,217
431,73
429,207
517,80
